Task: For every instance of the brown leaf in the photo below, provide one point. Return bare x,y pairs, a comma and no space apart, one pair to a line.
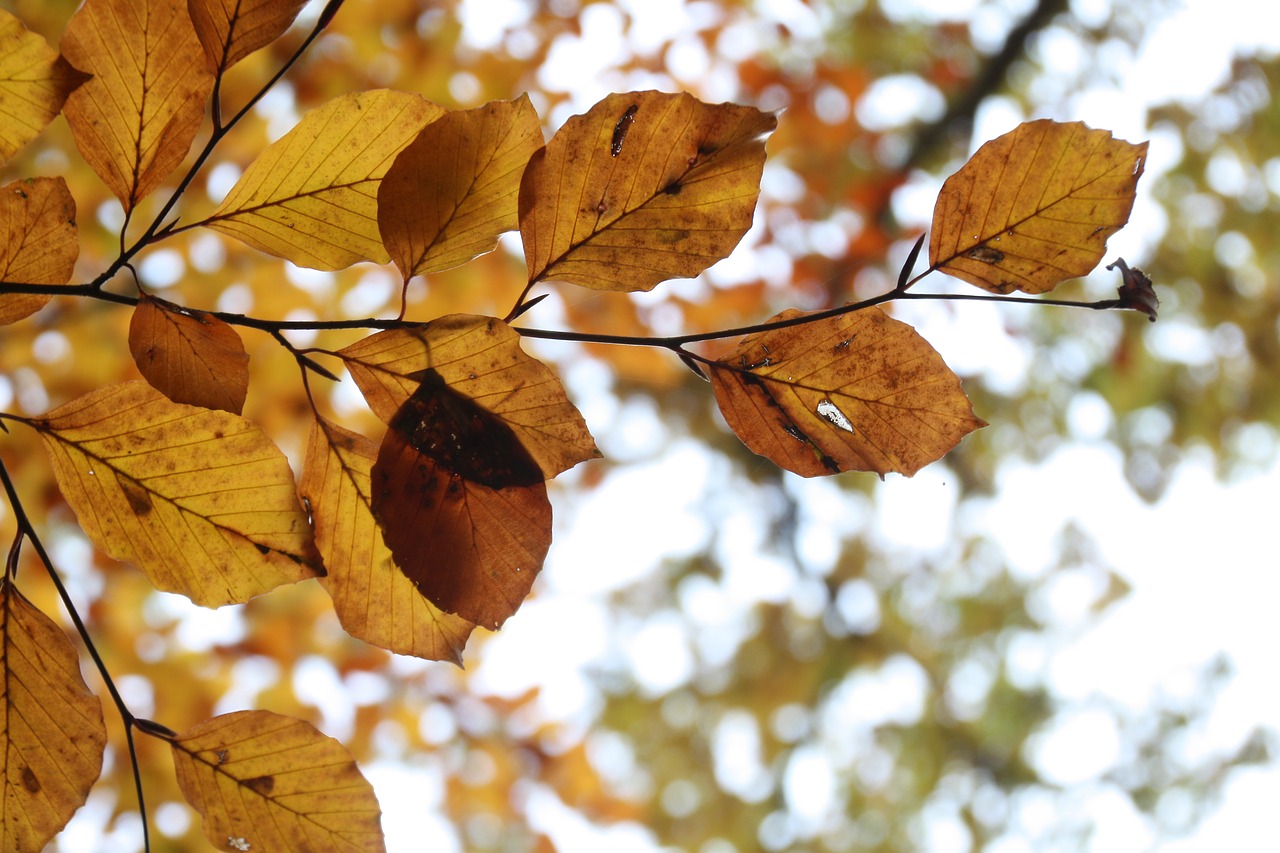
644,187
856,392
34,83
1136,290
230,30
40,241
189,356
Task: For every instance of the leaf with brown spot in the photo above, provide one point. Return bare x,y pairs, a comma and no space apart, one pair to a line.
230,30
644,187
189,356
40,242
34,84
263,781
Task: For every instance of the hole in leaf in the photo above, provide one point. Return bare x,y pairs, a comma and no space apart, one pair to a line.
832,414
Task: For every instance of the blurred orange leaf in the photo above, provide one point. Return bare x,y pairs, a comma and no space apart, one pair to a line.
189,356
230,30
40,241
34,83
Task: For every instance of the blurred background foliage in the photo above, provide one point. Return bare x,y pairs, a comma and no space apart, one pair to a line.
721,657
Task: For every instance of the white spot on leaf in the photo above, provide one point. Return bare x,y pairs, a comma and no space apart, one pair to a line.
831,412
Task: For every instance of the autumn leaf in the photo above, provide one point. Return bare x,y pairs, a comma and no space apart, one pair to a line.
312,196
40,241
135,119
34,83
1035,207
200,500
263,781
189,356
644,187
453,190
53,738
230,30
374,600
859,391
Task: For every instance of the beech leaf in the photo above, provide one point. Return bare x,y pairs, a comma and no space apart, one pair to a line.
312,196
1035,207
263,781
230,30
40,242
644,187
189,356
200,500
53,740
34,84
859,391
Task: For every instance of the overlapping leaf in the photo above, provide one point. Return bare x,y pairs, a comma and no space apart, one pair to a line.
53,737
230,30
262,781
200,500
34,83
374,600
856,392
134,120
40,241
642,188
189,356
1035,207
453,190
312,196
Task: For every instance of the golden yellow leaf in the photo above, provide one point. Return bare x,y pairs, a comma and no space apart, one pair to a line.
1035,207
644,187
40,241
265,782
312,196
230,30
373,599
453,190
856,392
189,356
34,83
53,737
134,120
200,500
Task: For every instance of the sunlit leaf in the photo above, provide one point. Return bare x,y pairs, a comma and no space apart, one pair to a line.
453,190
53,736
40,241
200,500
189,356
230,30
134,120
373,599
34,83
644,187
1035,206
856,392
312,196
262,781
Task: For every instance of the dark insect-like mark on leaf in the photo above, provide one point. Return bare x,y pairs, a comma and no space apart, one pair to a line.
986,254
620,129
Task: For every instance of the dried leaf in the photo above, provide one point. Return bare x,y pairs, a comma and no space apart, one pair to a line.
453,190
200,500
263,781
134,120
1035,206
40,241
312,196
230,30
54,736
644,187
856,392
34,83
189,356
1136,290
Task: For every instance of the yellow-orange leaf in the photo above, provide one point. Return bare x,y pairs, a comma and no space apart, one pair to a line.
189,356
1035,206
200,500
230,30
373,599
312,196
53,737
263,781
453,190
134,120
855,392
40,242
34,83
644,187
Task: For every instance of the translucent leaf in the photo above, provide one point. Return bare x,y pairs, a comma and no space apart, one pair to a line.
644,187
373,599
856,392
230,30
261,781
453,190
134,120
189,356
312,196
34,83
200,500
53,737
1035,207
40,241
